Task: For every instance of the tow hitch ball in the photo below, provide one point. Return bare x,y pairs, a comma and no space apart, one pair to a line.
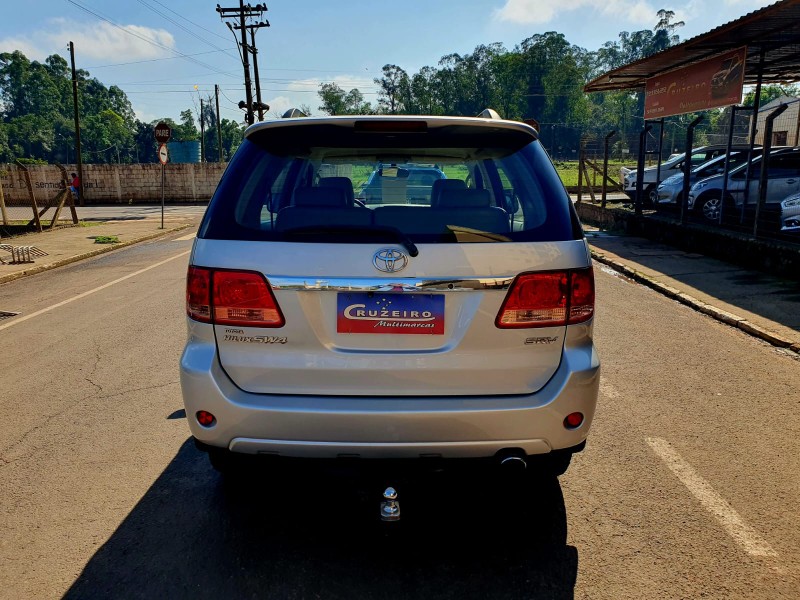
390,507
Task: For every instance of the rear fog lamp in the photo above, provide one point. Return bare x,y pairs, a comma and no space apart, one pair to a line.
205,418
573,420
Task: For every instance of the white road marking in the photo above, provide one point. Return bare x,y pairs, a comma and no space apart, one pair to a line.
741,532
19,320
185,238
608,390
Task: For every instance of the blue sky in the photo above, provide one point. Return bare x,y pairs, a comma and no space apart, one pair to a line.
311,41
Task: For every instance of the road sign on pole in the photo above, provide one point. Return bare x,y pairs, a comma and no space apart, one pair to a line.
163,156
163,132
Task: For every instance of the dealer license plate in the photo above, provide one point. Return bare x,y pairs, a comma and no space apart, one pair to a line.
368,312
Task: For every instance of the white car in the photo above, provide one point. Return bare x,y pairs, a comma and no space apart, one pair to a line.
790,213
322,327
670,167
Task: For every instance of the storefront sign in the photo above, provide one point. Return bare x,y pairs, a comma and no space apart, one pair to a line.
712,83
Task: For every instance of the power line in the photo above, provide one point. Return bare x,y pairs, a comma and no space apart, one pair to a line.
149,60
222,37
186,29
141,37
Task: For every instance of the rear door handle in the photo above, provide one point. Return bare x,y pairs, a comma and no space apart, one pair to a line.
791,181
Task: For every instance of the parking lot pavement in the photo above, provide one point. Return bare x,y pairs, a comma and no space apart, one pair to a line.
68,244
762,305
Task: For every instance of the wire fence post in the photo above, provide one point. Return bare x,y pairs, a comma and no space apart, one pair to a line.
605,168
687,168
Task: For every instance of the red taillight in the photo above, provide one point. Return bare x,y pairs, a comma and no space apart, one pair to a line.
198,294
548,299
241,298
244,298
581,297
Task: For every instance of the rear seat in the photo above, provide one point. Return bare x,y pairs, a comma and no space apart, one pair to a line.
322,206
456,208
471,209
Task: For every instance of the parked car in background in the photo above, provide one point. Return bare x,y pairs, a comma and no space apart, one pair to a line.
652,175
670,191
324,327
790,213
400,184
783,174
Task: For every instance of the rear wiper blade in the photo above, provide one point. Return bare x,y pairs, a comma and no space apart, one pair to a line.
356,230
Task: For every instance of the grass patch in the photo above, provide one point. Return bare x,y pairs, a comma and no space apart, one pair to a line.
90,223
106,239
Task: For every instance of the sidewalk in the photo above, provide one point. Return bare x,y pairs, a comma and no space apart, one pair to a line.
762,305
66,245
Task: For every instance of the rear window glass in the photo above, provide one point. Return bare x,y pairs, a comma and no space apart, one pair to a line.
366,191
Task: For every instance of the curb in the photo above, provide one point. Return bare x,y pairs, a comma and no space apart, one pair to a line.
90,254
712,311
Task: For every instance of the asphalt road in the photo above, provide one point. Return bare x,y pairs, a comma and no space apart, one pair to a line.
689,486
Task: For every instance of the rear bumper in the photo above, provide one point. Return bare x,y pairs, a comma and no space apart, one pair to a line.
389,427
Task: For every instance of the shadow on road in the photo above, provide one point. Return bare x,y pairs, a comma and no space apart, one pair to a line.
191,536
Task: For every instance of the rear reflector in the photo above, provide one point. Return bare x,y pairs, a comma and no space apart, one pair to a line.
239,298
573,420
205,418
548,299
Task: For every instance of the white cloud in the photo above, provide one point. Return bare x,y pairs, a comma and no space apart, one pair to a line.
532,12
93,40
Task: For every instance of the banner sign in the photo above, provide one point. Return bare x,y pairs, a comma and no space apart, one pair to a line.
711,83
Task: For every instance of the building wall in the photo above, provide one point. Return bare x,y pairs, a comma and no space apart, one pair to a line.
103,184
786,122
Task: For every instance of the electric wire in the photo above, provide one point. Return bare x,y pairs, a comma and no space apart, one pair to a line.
141,37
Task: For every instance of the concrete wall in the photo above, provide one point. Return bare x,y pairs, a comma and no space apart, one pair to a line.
105,184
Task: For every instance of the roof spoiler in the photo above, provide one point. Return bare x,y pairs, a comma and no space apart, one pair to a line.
293,113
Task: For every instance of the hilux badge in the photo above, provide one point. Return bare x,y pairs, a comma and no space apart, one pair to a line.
389,260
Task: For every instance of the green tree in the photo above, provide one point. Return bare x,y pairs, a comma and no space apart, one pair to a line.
770,93
390,86
335,101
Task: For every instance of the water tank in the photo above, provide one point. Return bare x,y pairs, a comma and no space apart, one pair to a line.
184,152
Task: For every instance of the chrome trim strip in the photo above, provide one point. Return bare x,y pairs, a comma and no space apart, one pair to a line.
375,284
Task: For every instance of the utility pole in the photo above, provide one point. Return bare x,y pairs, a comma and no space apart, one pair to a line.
254,51
219,127
77,124
202,134
243,12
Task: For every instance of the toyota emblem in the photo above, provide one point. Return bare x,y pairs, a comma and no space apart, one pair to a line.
389,260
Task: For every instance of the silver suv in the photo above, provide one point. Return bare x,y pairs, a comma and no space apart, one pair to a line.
324,327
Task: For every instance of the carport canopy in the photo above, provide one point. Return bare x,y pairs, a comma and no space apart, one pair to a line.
773,30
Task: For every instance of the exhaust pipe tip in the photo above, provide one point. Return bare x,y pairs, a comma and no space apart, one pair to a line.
514,463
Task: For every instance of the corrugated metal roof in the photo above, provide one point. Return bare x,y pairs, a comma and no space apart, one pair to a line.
775,29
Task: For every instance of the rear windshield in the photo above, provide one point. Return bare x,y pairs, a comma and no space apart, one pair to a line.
370,190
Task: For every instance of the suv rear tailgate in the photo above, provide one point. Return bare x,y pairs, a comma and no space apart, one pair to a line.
435,319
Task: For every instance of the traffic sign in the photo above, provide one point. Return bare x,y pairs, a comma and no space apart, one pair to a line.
163,155
162,132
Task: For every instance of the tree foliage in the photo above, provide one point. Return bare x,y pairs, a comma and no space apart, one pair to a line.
37,117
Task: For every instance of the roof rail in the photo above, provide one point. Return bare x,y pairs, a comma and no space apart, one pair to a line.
489,113
293,113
